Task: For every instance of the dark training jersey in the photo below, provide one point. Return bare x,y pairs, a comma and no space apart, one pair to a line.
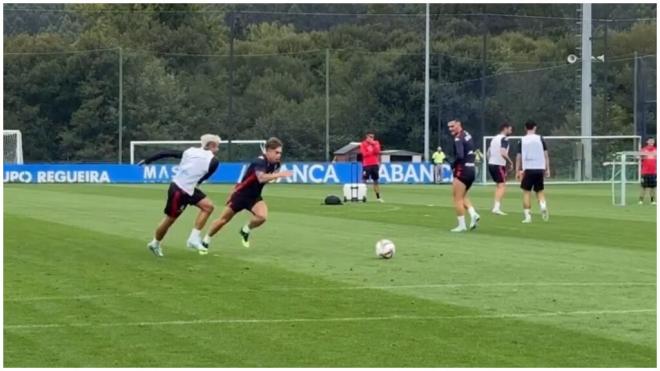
249,186
463,149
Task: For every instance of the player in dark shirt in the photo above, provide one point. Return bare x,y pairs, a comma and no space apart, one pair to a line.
464,174
247,194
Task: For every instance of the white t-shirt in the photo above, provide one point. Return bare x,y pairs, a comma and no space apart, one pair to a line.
194,165
532,149
498,143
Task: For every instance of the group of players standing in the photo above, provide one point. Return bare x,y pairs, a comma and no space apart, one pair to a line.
532,165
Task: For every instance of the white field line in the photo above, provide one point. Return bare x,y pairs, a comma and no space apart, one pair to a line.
346,288
336,319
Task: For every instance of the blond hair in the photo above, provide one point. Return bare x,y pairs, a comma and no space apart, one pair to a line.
209,138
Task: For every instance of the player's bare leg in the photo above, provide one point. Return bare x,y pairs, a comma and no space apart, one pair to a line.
474,217
500,188
527,206
377,191
224,218
652,194
540,195
259,217
159,234
643,191
458,193
205,210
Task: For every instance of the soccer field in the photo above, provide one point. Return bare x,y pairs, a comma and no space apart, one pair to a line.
82,290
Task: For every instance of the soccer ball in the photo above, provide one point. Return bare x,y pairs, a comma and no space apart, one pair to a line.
385,249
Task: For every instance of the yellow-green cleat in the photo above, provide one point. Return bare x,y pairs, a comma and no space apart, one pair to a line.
244,238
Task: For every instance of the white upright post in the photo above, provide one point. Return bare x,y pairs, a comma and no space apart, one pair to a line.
426,88
623,179
586,88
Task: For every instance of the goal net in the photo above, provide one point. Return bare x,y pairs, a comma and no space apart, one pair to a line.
230,150
12,147
625,168
573,159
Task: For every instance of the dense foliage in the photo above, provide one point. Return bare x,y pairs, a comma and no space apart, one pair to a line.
61,72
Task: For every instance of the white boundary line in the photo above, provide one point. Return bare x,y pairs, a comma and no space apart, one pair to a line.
349,288
336,319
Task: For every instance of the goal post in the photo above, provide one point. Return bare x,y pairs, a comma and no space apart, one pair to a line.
230,150
12,147
625,167
568,160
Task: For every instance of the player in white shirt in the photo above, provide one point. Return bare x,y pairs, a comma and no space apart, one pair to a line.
498,159
532,164
197,165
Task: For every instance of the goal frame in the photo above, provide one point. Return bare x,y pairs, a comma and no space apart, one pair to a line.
261,142
19,144
619,177
485,139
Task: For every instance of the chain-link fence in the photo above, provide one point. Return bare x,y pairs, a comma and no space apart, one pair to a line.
318,77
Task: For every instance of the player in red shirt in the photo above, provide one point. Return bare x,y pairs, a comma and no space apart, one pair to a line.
649,171
370,150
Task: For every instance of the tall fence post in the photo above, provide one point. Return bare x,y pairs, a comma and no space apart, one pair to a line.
121,108
327,105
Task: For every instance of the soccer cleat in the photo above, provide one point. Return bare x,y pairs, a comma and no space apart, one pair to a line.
155,249
652,202
527,220
206,246
459,229
474,221
640,203
197,245
380,200
244,238
545,215
498,212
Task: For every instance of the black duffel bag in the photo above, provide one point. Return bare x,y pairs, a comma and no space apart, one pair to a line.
332,200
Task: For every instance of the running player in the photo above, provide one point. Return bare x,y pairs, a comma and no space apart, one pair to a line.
247,194
197,165
464,175
498,159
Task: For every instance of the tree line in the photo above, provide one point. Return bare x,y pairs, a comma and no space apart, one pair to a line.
252,71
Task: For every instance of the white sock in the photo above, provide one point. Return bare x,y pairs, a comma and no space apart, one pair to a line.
472,211
497,205
246,229
528,213
543,205
194,234
155,242
207,239
461,221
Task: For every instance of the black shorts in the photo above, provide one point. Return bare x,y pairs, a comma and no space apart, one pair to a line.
178,200
498,173
533,179
649,181
465,174
370,172
239,202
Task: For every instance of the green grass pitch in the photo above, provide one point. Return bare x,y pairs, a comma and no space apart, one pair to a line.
82,290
